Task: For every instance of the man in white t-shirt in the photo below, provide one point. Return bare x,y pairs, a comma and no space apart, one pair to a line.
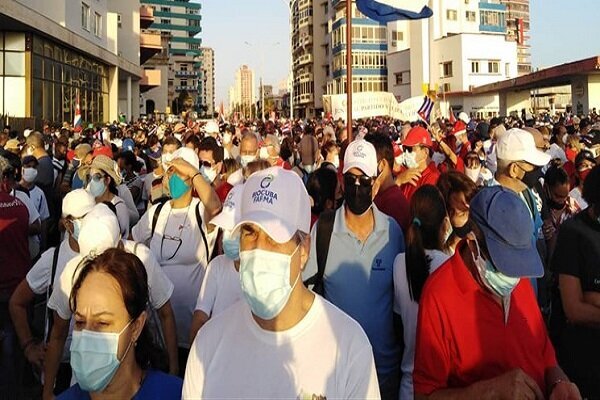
40,280
100,231
282,342
221,284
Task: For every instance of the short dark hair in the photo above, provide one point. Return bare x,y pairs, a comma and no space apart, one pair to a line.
591,188
209,143
321,187
383,147
327,147
556,175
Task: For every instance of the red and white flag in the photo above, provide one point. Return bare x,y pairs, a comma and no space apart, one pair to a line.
77,118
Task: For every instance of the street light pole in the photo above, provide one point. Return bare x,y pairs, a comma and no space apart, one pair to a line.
349,68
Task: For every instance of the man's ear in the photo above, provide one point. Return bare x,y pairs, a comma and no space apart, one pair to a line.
304,252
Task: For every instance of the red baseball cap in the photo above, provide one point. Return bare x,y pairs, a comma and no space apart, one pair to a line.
459,128
418,136
104,150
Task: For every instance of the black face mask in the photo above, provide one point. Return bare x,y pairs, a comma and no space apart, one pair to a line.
462,231
358,198
532,178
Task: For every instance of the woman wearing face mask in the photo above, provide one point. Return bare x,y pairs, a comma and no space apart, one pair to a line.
575,318
584,162
221,285
40,281
102,177
457,190
558,205
425,243
112,353
180,239
475,170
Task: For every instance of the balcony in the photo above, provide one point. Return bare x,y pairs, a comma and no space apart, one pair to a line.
186,88
302,60
304,98
150,79
150,44
187,74
146,17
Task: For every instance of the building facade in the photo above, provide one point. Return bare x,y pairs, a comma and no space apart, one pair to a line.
179,23
242,96
207,89
462,46
56,52
517,29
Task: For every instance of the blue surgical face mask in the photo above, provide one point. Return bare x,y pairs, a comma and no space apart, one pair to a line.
265,280
94,358
493,279
231,246
96,188
76,228
177,187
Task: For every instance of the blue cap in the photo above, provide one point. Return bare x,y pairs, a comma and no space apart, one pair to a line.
128,144
507,226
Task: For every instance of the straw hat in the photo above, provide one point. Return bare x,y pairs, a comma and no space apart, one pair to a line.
104,164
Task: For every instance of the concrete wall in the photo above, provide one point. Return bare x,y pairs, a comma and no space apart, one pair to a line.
128,34
399,62
160,94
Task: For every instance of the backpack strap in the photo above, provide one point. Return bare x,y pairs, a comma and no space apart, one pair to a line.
155,218
199,221
323,239
54,265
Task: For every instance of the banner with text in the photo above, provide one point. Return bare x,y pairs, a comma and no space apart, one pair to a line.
373,104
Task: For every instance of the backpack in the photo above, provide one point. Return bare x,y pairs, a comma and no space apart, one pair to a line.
198,220
323,239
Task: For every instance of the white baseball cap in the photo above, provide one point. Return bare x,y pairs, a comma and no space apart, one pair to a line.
361,154
275,199
518,145
464,117
211,127
230,214
78,203
99,231
188,155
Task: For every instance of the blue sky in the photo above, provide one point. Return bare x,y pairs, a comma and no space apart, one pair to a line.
561,31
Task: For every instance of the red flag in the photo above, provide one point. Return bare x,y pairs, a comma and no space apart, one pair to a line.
452,118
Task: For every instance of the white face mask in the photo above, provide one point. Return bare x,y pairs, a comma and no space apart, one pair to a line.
208,173
410,160
246,159
29,174
472,173
264,153
165,159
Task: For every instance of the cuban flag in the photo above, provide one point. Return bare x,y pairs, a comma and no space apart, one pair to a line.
394,10
77,118
425,110
452,119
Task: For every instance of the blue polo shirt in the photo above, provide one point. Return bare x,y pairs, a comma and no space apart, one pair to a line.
359,280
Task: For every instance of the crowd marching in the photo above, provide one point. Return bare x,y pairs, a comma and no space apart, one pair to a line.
295,259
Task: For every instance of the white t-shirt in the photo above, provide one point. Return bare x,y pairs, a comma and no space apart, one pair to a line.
409,311
220,288
183,257
34,215
159,285
122,215
38,278
325,355
132,211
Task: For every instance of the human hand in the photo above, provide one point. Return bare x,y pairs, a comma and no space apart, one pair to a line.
182,167
514,385
565,390
35,354
410,176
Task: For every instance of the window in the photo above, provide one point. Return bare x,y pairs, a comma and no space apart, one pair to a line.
85,16
446,88
119,20
165,21
471,16
507,70
446,69
451,15
165,9
474,67
97,25
398,78
397,37
493,67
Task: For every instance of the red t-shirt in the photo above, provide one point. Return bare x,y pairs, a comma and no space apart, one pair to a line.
428,177
462,337
447,166
223,191
14,246
393,203
282,163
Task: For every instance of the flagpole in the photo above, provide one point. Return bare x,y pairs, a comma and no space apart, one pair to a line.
349,69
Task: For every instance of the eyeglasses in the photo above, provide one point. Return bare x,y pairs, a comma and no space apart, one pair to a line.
358,180
175,240
409,149
206,164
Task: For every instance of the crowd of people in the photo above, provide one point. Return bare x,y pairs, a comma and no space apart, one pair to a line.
300,259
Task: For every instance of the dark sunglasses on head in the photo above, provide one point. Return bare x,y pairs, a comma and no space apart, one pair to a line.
361,180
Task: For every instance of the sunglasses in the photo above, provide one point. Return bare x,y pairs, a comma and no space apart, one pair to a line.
207,164
409,149
358,180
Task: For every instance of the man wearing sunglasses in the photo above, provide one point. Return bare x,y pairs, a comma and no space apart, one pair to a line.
419,169
358,271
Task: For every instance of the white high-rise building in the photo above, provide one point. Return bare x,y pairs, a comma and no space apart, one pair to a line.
463,45
242,95
208,80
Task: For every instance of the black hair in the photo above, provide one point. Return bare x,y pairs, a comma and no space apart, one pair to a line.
591,188
321,187
427,213
209,143
556,175
383,147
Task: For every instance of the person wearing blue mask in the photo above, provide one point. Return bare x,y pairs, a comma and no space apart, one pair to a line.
282,342
40,281
221,285
178,234
480,331
112,352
